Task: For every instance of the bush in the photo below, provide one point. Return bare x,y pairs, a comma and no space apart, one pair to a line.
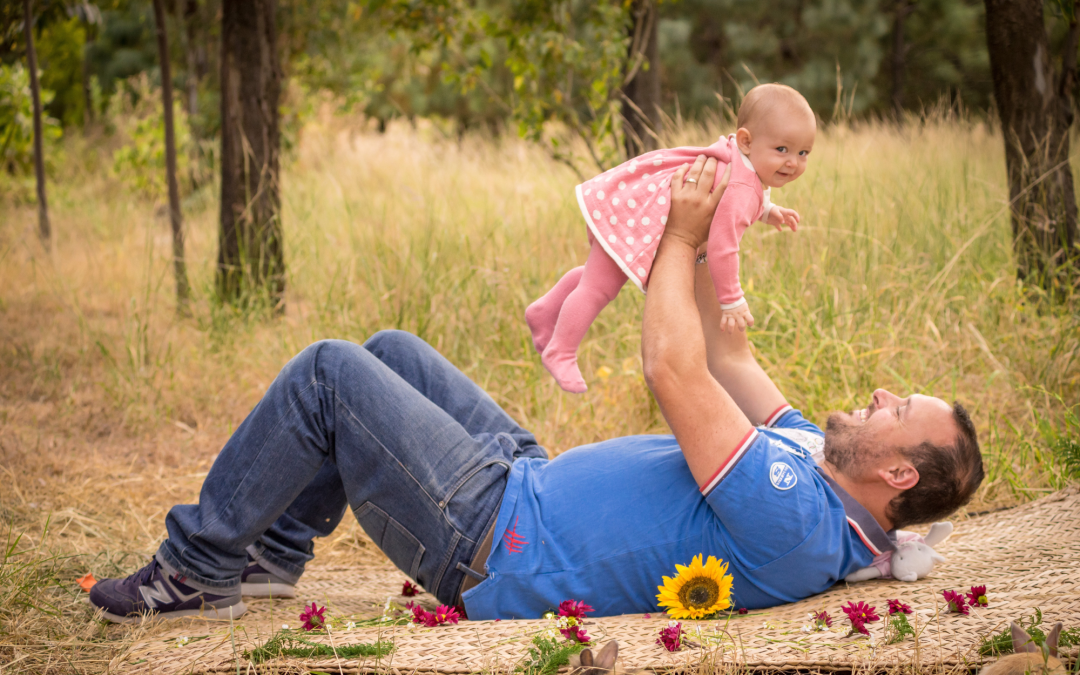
17,119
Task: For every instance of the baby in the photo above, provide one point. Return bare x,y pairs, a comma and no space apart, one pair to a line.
626,209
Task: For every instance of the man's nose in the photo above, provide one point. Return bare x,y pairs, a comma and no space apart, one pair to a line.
883,398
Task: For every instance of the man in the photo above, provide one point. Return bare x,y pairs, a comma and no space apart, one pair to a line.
464,501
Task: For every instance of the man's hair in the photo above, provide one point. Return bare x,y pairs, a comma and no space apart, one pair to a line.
764,99
948,477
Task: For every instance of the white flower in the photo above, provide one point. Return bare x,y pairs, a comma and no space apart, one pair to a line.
181,641
285,626
549,615
352,624
807,629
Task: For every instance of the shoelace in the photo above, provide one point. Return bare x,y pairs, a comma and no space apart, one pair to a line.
147,573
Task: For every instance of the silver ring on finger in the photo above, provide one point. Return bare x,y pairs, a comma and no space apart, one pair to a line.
691,180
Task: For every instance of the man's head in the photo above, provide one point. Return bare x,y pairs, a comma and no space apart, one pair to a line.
776,131
919,447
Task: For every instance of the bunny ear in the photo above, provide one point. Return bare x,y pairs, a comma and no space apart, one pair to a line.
1052,639
1022,642
607,656
586,658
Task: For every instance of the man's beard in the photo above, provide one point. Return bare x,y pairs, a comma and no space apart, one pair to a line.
847,447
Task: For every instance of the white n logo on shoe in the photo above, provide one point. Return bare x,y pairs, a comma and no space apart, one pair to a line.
158,594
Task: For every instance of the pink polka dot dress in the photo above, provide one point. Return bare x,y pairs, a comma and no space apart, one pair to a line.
626,209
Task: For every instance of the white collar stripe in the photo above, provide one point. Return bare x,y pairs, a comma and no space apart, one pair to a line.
862,535
777,414
726,467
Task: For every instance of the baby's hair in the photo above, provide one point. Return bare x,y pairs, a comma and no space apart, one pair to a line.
765,99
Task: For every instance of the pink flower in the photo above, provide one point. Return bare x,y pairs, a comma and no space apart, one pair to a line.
743,610
423,617
671,637
822,618
647,616
409,589
860,615
313,617
444,614
956,601
575,634
977,597
574,609
896,607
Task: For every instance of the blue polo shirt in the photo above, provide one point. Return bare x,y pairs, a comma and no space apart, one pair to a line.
605,522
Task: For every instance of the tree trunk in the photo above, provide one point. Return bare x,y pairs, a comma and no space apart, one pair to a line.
641,89
44,229
899,55
183,291
250,258
1035,120
191,13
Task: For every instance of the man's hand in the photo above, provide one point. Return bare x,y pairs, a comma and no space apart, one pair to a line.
737,317
779,216
693,203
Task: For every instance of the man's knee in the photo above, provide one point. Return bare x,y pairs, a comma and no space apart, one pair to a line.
392,340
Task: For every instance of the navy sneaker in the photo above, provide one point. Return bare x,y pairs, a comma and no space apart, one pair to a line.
257,582
151,593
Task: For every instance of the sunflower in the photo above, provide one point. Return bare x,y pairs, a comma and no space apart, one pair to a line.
697,590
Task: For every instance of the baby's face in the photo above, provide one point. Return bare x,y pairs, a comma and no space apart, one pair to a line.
780,148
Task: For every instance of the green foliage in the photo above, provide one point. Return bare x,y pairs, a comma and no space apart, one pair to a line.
898,628
140,162
289,643
547,655
17,119
1062,436
1001,643
60,48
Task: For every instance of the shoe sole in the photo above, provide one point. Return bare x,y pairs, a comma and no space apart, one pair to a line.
209,613
268,590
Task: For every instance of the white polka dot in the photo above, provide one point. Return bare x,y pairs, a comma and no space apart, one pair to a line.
631,203
661,200
663,220
614,201
588,190
652,188
641,272
612,238
613,220
637,185
630,223
657,162
600,194
645,220
633,167
644,176
608,179
622,185
664,183
647,239
629,257
629,241
596,215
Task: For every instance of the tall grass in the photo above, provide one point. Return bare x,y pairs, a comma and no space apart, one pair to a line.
111,408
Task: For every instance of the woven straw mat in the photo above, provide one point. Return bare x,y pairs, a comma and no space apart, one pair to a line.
1027,557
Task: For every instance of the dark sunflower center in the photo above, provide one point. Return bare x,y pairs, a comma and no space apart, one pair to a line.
699,592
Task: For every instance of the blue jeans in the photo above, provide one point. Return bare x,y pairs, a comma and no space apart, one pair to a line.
391,429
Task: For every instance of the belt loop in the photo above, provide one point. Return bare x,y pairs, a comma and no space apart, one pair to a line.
468,571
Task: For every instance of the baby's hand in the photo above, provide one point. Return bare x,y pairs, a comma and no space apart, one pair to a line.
779,216
737,317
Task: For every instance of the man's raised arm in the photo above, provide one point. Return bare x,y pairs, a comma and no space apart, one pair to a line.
732,362
711,429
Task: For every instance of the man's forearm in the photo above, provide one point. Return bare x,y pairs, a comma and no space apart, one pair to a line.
731,360
672,341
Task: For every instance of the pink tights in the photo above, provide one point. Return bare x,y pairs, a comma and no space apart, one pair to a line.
560,319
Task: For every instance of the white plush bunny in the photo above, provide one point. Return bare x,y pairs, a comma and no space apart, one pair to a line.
913,558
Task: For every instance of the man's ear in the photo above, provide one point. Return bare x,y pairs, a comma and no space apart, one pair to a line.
744,138
900,475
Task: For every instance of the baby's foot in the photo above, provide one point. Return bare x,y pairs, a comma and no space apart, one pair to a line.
541,322
563,367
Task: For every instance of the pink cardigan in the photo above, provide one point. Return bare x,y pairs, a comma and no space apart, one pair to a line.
626,209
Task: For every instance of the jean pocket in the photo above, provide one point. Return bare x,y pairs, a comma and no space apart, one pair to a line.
403,549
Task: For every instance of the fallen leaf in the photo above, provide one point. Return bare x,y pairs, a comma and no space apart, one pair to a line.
86,582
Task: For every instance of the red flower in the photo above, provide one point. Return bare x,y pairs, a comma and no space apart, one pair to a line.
860,614
896,607
440,616
977,597
743,610
444,614
575,634
313,617
574,609
671,637
823,618
957,603
409,589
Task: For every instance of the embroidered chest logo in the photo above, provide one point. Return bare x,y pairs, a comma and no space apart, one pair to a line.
782,476
513,540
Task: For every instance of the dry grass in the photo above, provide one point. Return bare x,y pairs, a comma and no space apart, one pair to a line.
111,409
